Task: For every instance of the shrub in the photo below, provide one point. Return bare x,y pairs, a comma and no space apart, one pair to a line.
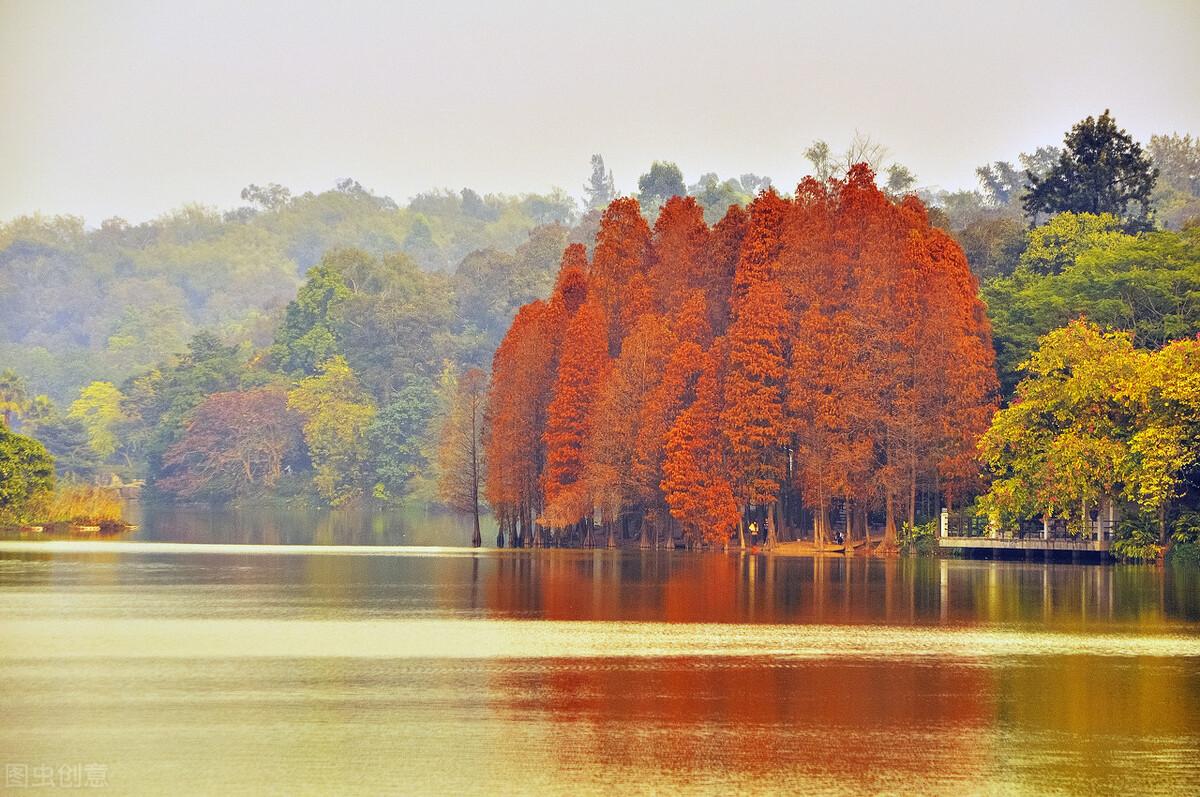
26,475
1186,528
1184,554
919,540
1137,539
77,503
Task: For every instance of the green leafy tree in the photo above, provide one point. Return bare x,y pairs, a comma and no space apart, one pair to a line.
98,408
397,439
993,245
306,338
1177,193
490,285
1101,170
272,196
663,181
1165,445
752,184
67,441
1054,246
157,403
421,245
26,473
337,413
1147,283
397,322
1096,419
715,196
900,180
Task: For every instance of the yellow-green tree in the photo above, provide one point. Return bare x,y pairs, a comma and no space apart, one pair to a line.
337,413
1096,419
98,408
1064,443
1166,440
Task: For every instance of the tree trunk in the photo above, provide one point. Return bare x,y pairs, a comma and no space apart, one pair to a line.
612,540
1162,535
849,551
912,500
887,546
771,541
818,523
644,540
476,539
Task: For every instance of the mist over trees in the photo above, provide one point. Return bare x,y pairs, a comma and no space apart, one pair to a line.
346,320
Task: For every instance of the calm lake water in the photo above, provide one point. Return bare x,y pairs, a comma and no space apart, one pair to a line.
339,653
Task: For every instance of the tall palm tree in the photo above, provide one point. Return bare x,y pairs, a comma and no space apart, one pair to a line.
12,396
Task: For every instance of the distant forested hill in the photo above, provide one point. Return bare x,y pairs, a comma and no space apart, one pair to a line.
79,304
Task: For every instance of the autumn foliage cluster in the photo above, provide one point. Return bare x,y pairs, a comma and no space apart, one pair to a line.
805,359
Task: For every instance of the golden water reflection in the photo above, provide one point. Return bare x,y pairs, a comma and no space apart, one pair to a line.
221,670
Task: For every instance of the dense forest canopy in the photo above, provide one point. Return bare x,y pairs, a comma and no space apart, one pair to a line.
340,324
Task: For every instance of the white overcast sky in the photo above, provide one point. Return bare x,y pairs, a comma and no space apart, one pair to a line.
132,109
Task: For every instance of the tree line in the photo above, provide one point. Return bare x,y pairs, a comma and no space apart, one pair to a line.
353,381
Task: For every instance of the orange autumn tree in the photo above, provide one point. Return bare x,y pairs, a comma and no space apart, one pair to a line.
690,334
582,372
679,257
753,418
966,395
618,417
695,480
821,351
622,248
658,414
522,372
815,362
724,251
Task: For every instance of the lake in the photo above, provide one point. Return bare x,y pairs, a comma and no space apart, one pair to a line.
251,652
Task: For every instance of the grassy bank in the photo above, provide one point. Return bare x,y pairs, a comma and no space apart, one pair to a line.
76,505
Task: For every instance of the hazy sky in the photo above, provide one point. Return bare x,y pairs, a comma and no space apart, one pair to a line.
131,109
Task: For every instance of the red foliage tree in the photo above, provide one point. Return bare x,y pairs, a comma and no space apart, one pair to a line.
522,375
695,480
582,371
679,256
724,252
658,414
622,248
809,353
618,416
753,417
235,444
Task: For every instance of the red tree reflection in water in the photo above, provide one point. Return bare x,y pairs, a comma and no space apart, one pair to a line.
760,719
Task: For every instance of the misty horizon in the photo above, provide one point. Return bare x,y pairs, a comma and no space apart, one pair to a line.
132,110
